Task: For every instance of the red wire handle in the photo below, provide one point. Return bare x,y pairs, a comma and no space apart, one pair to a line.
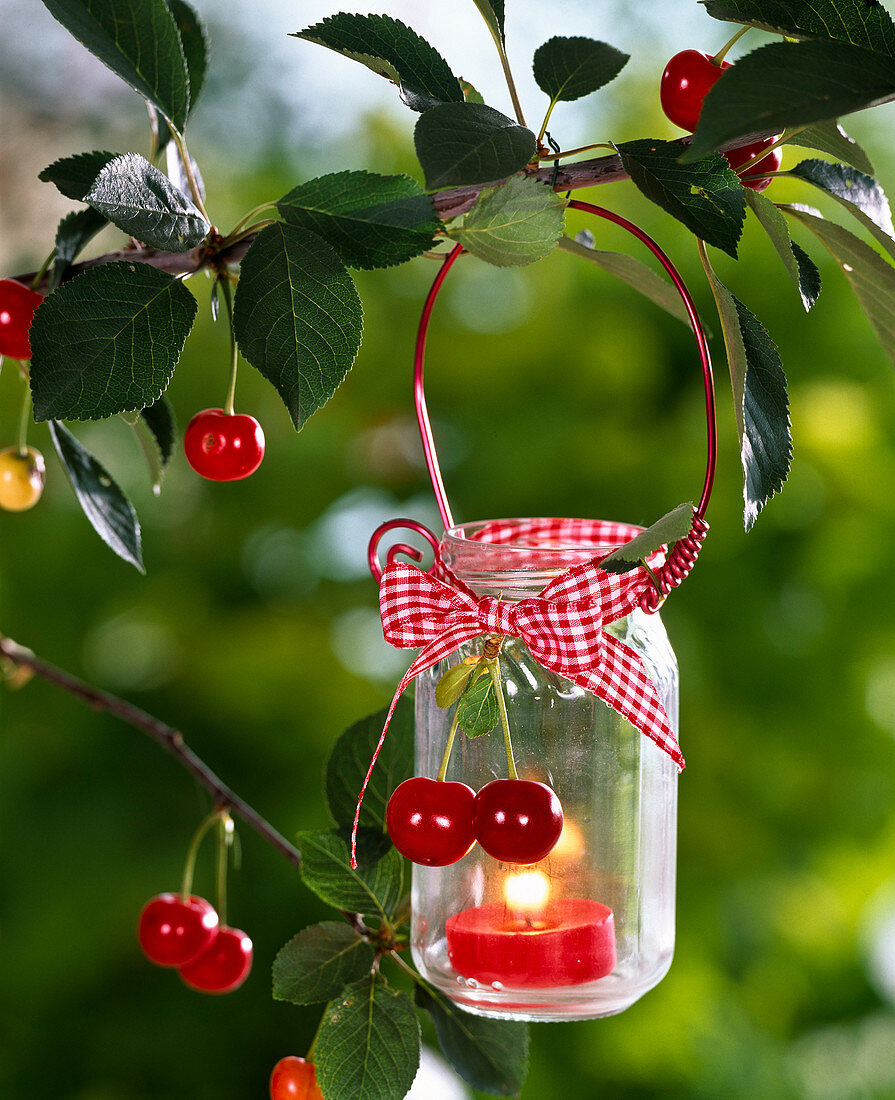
419,396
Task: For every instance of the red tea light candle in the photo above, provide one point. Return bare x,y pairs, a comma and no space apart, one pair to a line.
533,941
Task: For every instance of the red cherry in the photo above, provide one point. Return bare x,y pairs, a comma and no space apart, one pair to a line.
222,446
17,306
430,820
685,83
172,931
517,820
770,163
294,1079
223,966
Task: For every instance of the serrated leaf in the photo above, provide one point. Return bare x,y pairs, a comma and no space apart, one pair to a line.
801,268
350,757
107,341
513,224
706,196
569,68
491,1055
194,42
674,525
451,684
761,403
470,94
466,143
74,175
829,137
477,711
110,513
319,962
368,1045
374,887
493,14
155,432
871,278
862,22
861,195
141,200
297,317
138,41
791,84
632,272
392,50
370,220
74,232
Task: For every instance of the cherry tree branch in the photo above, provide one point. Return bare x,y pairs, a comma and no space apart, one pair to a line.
164,735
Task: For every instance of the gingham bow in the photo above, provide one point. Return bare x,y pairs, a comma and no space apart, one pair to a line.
562,627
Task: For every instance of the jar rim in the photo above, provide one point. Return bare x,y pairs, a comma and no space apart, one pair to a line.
525,534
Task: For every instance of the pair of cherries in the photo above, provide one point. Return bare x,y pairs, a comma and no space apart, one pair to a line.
185,933
435,822
686,81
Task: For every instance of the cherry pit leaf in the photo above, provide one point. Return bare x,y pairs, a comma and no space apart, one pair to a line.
829,137
493,13
451,684
319,962
477,709
514,224
801,268
73,176
861,195
467,143
375,887
74,232
674,525
569,68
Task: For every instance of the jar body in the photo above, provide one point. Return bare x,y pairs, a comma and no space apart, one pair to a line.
555,954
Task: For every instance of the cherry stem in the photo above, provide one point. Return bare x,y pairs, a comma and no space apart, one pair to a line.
233,235
494,668
44,268
719,56
546,122
24,421
189,866
580,149
188,171
229,405
442,771
762,153
225,839
166,736
505,65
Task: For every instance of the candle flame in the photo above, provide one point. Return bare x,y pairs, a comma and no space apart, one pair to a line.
527,893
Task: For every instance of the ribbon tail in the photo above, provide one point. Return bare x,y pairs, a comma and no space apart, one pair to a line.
428,657
622,682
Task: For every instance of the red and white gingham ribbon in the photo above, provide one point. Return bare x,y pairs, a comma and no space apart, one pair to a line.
562,626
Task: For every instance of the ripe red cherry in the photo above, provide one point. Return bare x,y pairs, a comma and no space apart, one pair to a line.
770,163
430,820
223,966
222,446
517,820
17,306
172,931
685,83
294,1079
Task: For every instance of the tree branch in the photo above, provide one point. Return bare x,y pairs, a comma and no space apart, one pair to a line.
169,738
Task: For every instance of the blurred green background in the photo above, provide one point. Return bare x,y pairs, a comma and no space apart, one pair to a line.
554,391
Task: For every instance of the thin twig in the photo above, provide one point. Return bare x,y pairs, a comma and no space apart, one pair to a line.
169,738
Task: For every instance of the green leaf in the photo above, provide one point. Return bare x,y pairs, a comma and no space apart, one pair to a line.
107,341
350,757
319,962
477,710
790,84
706,196
74,232
74,175
630,271
194,41
801,268
138,40
110,513
374,888
155,432
451,684
138,198
761,403
861,22
861,195
392,50
368,1046
465,143
491,1055
871,278
370,220
513,224
569,68
829,137
470,94
674,525
493,14
297,317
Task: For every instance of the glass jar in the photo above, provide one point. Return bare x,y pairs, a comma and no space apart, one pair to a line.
589,929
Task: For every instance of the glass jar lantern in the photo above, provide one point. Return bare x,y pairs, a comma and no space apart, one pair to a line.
589,928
